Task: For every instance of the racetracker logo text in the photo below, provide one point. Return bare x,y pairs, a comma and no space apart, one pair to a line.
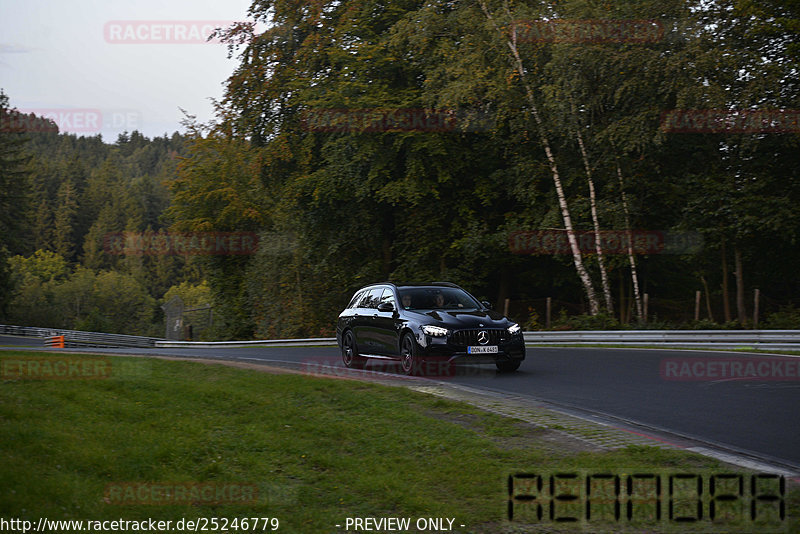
732,121
757,368
54,368
73,120
186,243
163,31
379,369
182,493
546,242
587,31
376,120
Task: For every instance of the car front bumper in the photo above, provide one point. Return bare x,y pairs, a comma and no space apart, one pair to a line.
443,349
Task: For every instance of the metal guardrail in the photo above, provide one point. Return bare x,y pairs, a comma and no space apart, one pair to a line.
773,339
317,341
767,339
26,331
79,338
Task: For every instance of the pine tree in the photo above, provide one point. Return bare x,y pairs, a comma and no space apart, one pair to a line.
13,194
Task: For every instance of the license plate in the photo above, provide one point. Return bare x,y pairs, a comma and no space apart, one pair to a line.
489,349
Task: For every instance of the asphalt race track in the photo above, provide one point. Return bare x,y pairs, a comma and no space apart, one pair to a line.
750,416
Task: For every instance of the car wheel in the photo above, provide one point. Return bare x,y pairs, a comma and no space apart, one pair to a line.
508,366
409,355
350,356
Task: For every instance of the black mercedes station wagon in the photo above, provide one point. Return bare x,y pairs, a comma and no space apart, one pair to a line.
415,324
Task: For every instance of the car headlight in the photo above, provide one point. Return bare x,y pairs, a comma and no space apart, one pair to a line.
514,329
435,331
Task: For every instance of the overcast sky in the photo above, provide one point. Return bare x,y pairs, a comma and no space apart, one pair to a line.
106,66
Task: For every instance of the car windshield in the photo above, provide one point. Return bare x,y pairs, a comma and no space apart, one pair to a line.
436,298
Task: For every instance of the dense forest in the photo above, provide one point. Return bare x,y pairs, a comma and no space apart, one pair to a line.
368,140
62,196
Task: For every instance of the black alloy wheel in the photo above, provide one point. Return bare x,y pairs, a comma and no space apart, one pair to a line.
409,357
350,356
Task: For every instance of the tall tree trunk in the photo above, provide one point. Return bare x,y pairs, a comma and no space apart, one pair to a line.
502,290
740,310
387,227
622,306
726,303
577,259
637,297
386,257
596,222
708,298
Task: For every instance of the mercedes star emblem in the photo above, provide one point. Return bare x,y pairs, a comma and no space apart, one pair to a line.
483,337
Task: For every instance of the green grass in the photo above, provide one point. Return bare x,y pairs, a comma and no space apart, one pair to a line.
318,450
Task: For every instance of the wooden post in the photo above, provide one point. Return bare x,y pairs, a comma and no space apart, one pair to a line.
756,298
505,307
708,299
547,313
697,305
645,305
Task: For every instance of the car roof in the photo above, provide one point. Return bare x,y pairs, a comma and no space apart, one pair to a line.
430,284
397,285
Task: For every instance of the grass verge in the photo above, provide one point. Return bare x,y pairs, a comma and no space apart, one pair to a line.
316,450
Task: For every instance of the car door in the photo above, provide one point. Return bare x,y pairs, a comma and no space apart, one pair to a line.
364,322
385,322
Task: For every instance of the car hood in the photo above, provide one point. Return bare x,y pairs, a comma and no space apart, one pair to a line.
467,319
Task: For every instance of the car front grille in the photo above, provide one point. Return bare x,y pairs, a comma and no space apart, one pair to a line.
469,337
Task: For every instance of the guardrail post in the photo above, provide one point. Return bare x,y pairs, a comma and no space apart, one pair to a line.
645,304
547,314
697,306
755,307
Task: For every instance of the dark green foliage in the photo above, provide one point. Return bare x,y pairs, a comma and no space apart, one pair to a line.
339,209
60,197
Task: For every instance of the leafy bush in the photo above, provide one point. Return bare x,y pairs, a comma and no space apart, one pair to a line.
600,321
787,318
47,294
532,323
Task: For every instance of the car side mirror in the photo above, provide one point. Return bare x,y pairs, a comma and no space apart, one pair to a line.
486,304
385,307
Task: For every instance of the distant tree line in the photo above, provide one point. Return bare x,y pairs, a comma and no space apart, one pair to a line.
62,195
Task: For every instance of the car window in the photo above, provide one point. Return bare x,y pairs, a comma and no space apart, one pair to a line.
363,301
371,298
356,299
388,296
437,298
